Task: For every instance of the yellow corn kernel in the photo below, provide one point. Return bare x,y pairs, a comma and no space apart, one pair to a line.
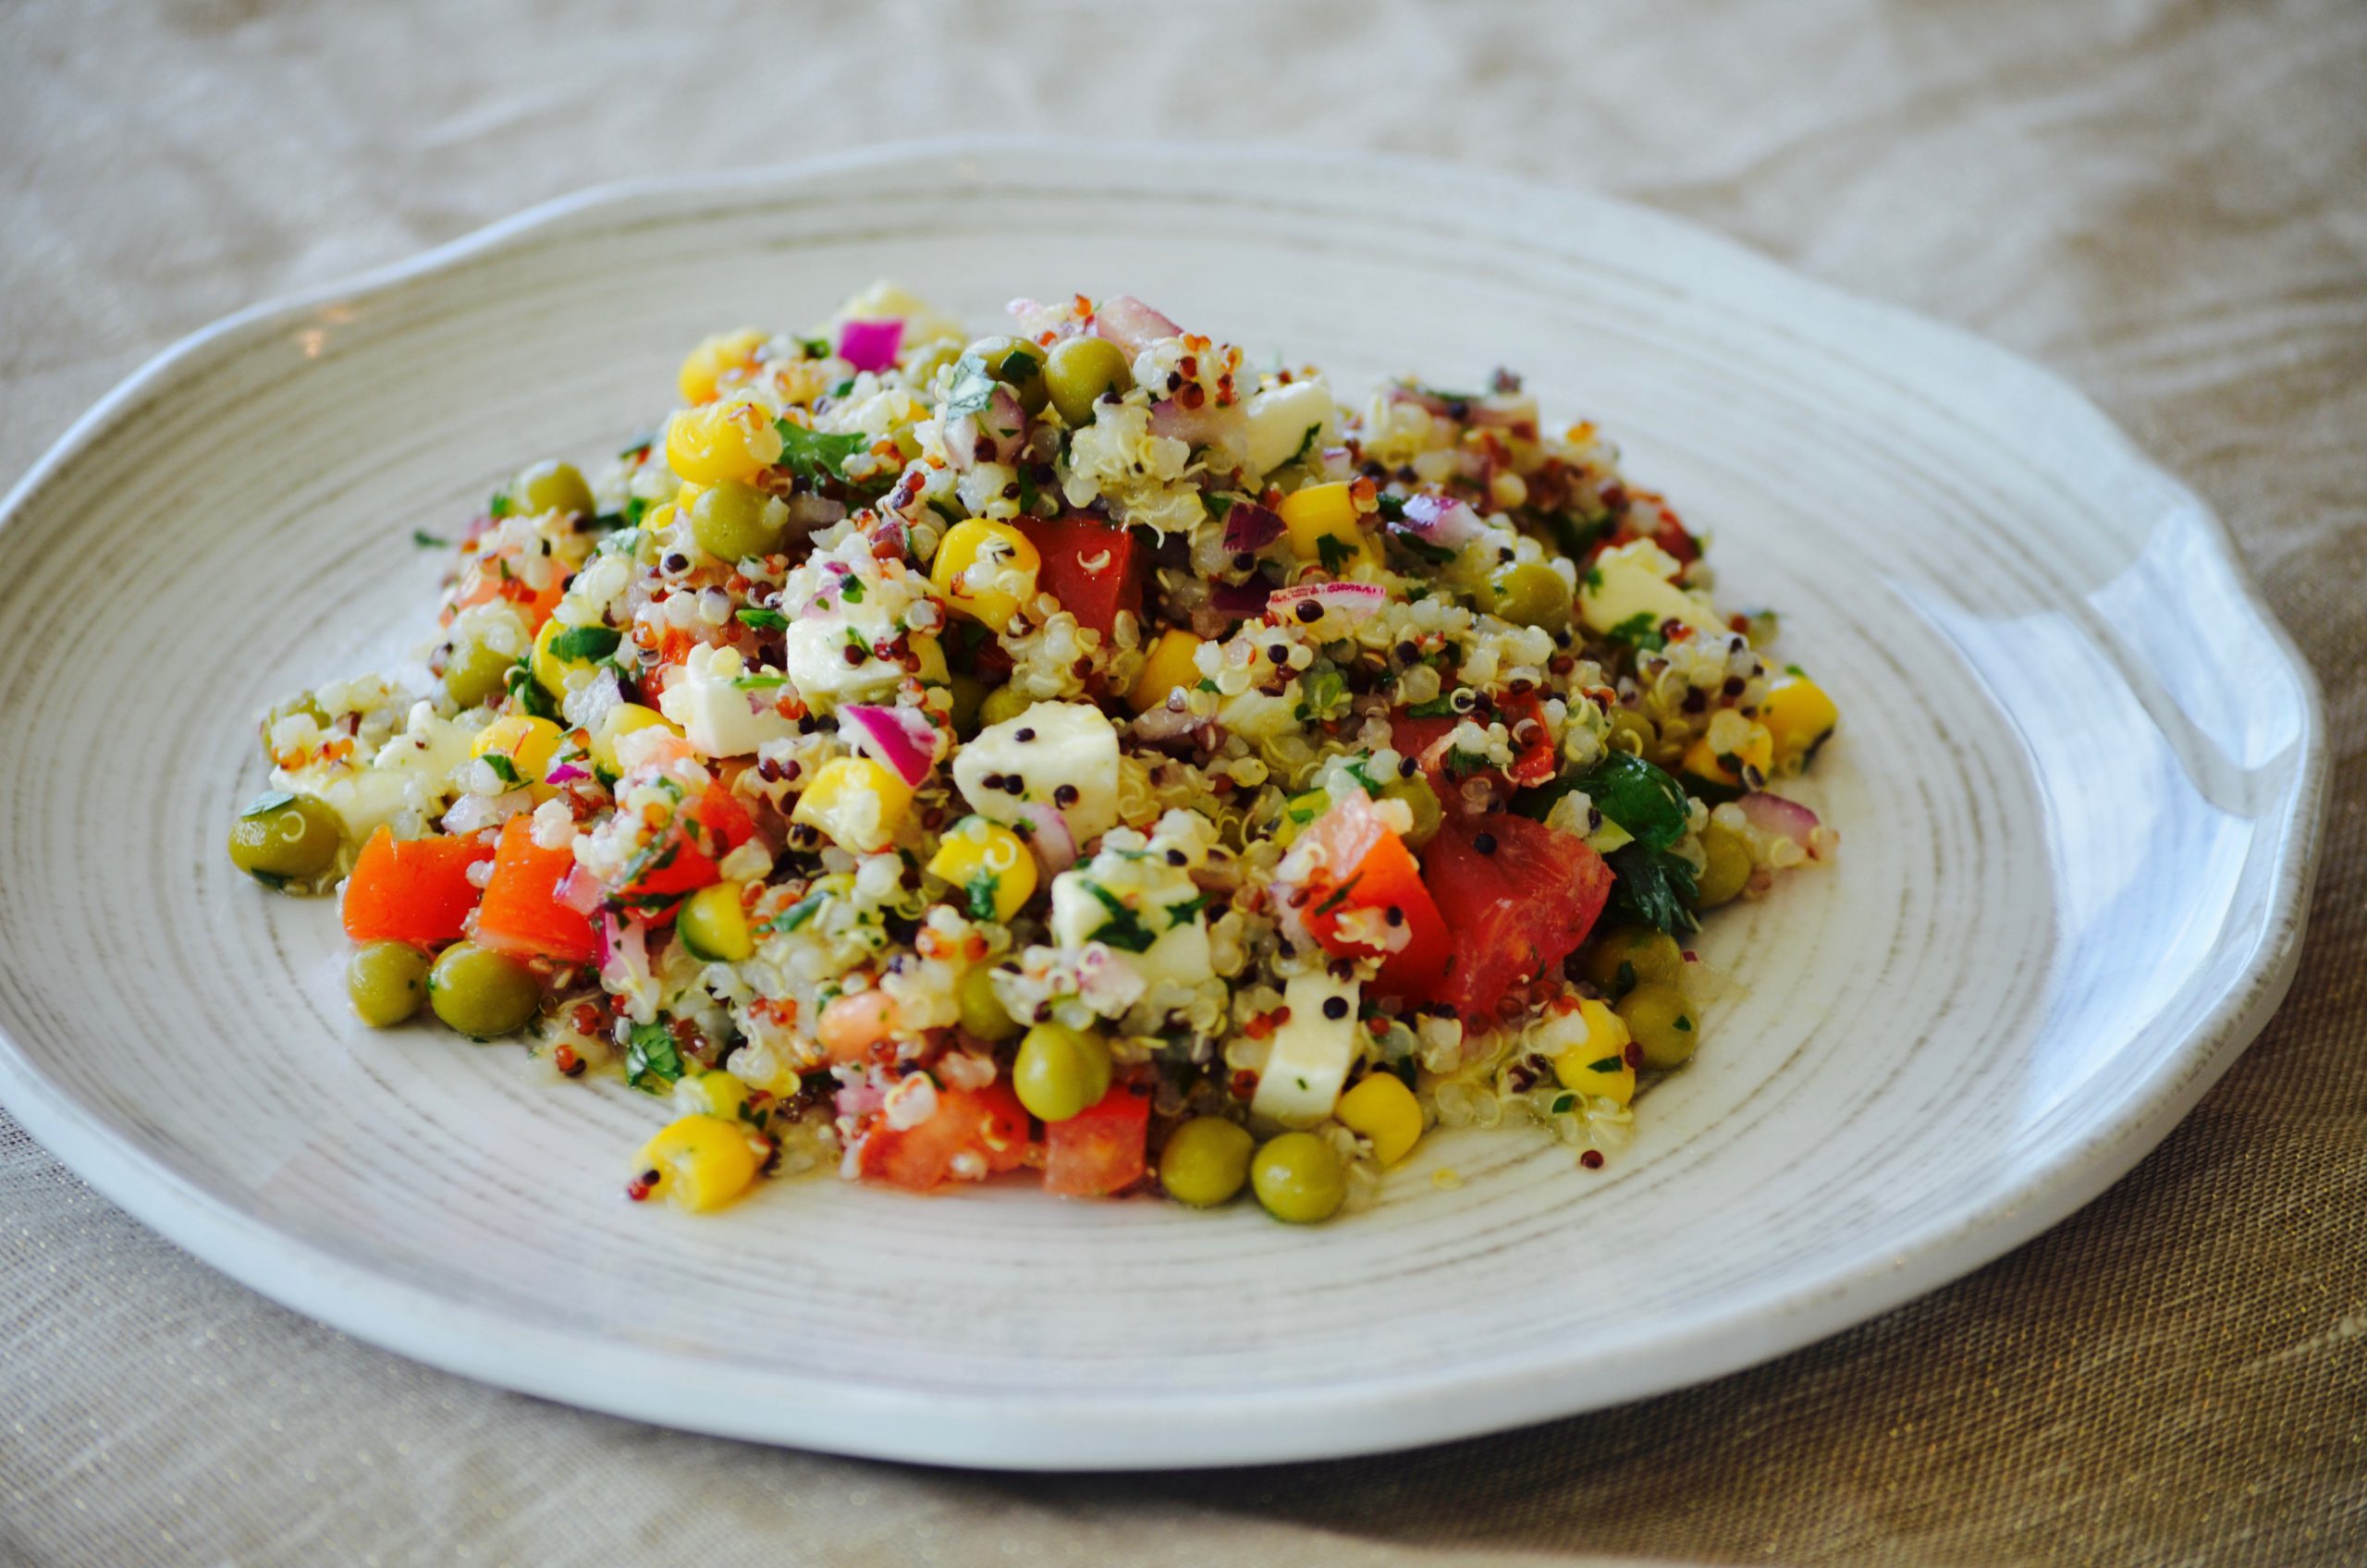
989,866
713,923
1759,752
1383,1110
1170,664
718,356
730,439
524,745
617,723
711,1093
686,494
986,570
1598,1064
1799,716
857,802
550,667
1321,513
698,1162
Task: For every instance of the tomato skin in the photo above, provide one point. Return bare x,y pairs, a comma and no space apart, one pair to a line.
414,892
1516,913
722,824
1367,866
1092,567
521,913
989,1122
1101,1149
1535,761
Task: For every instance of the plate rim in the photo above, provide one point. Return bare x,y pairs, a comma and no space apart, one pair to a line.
1197,1428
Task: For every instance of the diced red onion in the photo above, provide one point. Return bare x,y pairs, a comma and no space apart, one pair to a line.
991,434
624,953
1439,520
1240,599
1354,600
900,737
1249,526
1164,726
1052,841
1132,325
1222,435
564,773
579,890
871,345
1782,819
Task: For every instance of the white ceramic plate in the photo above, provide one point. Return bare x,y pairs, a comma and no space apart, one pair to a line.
2077,784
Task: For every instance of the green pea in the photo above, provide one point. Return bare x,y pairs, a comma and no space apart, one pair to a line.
1639,731
1422,801
970,694
1298,1178
921,366
1723,881
982,1010
735,520
1018,364
1662,1023
1205,1161
482,993
1080,371
1060,1072
1531,594
284,838
1633,955
553,487
476,672
387,981
1002,705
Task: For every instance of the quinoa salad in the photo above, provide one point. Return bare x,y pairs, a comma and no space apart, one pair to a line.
1078,751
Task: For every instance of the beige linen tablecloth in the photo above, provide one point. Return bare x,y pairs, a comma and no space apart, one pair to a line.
2166,202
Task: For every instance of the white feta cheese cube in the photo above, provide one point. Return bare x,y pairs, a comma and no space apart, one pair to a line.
1312,1053
1280,419
725,709
1061,756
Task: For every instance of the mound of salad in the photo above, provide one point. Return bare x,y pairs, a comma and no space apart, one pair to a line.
1075,750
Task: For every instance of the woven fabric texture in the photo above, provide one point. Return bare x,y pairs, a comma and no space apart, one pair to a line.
2166,201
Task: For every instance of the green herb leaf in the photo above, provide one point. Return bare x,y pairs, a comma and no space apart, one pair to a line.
971,389
499,506
843,387
1340,894
503,768
763,621
269,803
529,692
1334,553
1437,707
795,915
758,682
814,347
1640,798
1183,912
426,541
850,590
1124,930
1640,632
584,644
980,891
653,1062
814,457
1655,888
1607,1064
1565,1104
1307,442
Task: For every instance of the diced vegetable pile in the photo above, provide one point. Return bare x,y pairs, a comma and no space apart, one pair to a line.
1071,751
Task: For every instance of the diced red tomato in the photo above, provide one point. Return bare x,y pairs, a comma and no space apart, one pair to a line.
1092,567
1516,907
989,1123
718,825
520,911
1099,1150
415,891
1534,759
1418,738
1366,866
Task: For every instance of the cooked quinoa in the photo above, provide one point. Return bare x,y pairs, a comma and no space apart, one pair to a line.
1076,750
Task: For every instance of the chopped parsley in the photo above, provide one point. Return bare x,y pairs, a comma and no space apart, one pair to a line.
1307,442
503,768
1340,894
426,541
1640,632
584,644
795,915
1640,798
266,803
813,456
1335,553
528,693
1437,707
1183,912
973,388
763,621
758,682
980,891
499,506
652,1061
1565,1104
850,590
1124,930
1656,888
